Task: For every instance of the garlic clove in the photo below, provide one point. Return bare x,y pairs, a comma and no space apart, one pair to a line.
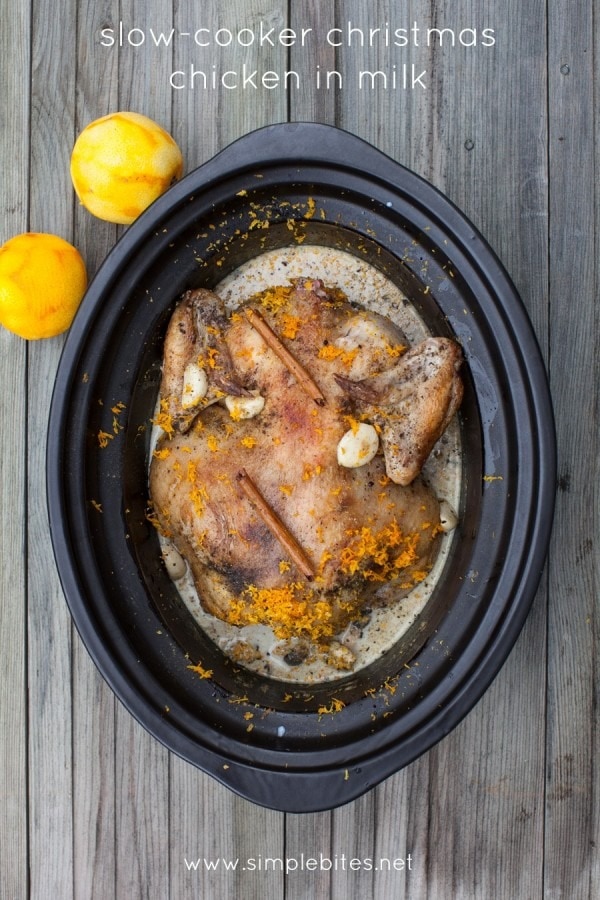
341,657
244,407
448,518
174,562
358,446
195,386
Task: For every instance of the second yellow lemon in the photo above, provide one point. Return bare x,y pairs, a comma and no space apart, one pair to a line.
42,281
121,163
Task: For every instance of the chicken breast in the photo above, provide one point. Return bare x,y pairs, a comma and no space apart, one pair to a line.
248,467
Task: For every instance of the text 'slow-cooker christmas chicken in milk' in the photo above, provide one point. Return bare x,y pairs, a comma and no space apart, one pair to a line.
287,472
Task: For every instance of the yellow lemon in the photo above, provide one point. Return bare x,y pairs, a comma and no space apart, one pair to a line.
121,163
42,281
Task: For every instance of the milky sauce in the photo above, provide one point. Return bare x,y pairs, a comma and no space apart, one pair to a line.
263,652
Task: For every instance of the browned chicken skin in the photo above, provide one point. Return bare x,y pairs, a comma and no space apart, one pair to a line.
358,527
413,403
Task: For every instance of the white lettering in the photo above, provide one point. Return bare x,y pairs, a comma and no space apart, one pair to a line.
331,76
108,37
229,87
471,37
227,37
303,864
232,79
440,32
287,37
418,79
141,39
352,30
197,37
363,75
250,41
162,38
178,87
401,37
392,80
248,79
269,80
192,864
265,36
273,862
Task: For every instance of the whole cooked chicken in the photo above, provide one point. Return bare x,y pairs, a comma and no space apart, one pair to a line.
287,472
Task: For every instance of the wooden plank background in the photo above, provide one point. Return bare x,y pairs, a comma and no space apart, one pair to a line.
506,806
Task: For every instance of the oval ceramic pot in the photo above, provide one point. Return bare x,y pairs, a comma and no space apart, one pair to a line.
309,747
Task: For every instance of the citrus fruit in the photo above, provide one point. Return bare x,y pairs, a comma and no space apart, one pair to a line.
121,163
42,281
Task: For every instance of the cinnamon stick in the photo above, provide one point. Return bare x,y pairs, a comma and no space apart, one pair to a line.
298,371
275,525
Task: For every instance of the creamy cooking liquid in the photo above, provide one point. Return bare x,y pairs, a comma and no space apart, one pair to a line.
365,285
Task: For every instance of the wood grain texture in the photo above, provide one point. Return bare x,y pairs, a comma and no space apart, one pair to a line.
206,120
94,731
13,613
94,755
507,804
141,812
401,833
486,789
14,159
572,754
97,94
309,834
315,59
220,844
53,40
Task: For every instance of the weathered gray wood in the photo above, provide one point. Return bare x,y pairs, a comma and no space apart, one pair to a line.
141,857
205,121
572,757
97,88
506,805
314,58
353,838
592,562
93,780
13,687
486,789
220,844
309,836
93,702
401,834
14,155
49,647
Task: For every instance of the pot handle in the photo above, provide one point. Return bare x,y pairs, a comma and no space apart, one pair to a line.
300,142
